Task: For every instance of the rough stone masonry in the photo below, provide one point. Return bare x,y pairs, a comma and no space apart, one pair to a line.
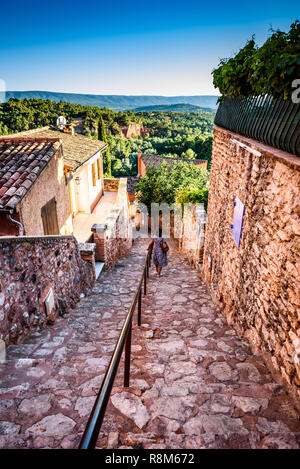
29,267
257,283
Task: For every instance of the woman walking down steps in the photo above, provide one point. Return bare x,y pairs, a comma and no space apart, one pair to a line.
161,248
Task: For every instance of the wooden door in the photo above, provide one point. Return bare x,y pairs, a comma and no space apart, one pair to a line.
49,217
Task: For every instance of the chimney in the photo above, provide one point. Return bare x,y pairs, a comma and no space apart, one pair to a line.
69,129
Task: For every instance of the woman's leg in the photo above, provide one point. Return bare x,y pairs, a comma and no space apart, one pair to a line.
158,269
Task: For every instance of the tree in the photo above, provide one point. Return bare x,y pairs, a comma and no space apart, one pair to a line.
106,155
189,153
172,184
168,133
101,130
107,163
269,69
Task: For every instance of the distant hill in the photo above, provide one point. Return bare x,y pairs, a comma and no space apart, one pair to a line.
116,102
180,107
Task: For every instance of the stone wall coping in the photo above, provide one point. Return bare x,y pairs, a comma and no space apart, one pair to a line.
284,157
87,247
99,228
111,179
33,239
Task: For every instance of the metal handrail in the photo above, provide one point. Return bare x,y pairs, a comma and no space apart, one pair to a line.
92,429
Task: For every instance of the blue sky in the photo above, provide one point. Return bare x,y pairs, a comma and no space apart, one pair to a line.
156,47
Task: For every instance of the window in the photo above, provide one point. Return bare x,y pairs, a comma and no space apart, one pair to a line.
94,174
49,218
99,168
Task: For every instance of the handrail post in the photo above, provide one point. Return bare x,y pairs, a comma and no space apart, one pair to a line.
140,307
145,280
127,358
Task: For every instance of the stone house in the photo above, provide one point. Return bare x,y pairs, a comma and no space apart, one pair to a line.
145,161
83,166
34,197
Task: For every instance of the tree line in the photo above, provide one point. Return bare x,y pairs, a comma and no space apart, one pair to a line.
185,135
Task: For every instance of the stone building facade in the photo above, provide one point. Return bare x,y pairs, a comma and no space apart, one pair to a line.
257,282
82,165
31,176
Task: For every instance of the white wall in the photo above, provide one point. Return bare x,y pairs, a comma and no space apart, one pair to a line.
85,192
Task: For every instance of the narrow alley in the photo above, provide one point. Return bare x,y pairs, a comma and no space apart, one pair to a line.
194,383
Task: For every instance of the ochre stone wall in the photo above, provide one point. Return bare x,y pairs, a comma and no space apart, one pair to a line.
111,184
191,241
29,267
258,283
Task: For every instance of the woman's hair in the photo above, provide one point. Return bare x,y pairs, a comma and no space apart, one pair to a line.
160,232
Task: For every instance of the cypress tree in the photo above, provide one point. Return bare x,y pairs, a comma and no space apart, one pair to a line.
106,154
107,163
101,130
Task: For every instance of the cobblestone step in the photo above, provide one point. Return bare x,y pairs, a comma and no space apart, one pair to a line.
194,383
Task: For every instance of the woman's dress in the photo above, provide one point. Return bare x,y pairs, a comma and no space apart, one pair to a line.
159,256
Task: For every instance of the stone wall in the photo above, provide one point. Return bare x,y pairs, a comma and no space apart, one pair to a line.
29,267
257,283
191,241
113,239
111,184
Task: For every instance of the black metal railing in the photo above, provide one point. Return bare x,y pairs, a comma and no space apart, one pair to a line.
273,121
93,427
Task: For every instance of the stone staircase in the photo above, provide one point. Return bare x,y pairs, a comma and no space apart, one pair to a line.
194,383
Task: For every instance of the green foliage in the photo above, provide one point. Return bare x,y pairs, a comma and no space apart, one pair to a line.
107,170
170,185
269,69
192,193
189,154
232,77
178,134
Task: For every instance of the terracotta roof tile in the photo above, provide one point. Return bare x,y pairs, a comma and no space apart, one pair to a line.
77,149
157,160
21,161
